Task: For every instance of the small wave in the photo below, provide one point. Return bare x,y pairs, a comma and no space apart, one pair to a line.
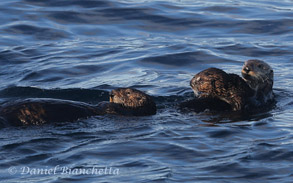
187,59
85,95
64,3
40,33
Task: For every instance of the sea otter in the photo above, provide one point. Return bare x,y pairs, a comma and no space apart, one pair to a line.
36,111
260,78
218,90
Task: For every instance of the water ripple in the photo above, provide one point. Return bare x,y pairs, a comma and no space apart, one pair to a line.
81,49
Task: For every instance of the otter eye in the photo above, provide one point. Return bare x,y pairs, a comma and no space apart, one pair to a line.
111,94
260,66
138,98
128,93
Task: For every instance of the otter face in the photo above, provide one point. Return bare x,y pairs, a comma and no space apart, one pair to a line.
206,82
130,98
200,85
258,74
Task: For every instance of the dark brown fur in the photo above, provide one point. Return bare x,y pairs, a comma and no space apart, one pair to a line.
201,104
215,83
133,102
260,77
254,90
40,111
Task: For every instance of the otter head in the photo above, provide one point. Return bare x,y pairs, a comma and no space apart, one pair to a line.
200,85
258,75
133,99
206,82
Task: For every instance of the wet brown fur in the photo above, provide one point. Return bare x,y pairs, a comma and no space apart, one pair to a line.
40,111
133,101
240,93
260,77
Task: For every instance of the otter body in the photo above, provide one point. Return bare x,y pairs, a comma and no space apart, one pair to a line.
202,104
230,88
254,89
123,101
40,111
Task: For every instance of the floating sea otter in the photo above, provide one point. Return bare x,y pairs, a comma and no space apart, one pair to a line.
123,101
218,90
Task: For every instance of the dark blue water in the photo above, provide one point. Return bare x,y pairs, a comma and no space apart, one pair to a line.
81,49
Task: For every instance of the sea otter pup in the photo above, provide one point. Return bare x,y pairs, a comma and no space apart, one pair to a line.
123,101
216,89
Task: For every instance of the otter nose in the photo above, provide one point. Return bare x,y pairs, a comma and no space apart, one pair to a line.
246,69
191,83
111,95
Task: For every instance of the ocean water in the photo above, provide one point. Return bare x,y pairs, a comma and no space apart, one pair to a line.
81,49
